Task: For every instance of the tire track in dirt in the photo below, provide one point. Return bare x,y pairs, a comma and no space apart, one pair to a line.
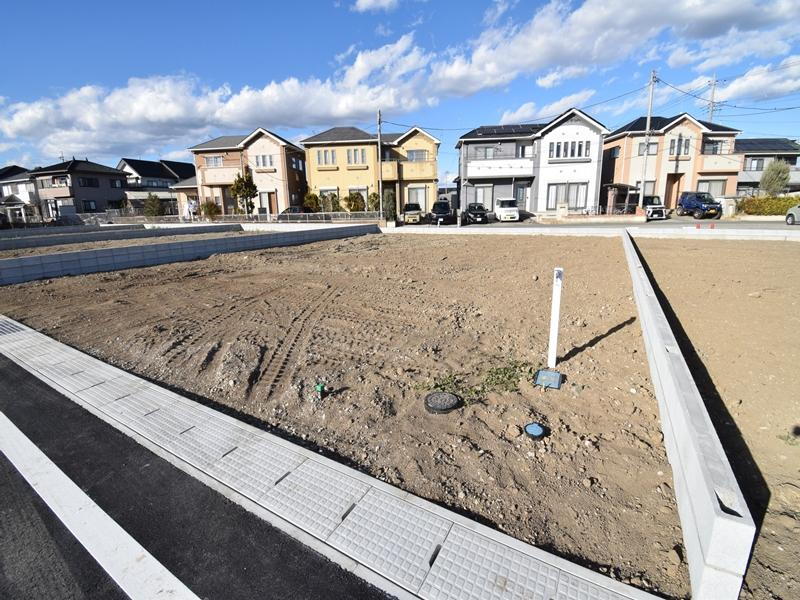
276,373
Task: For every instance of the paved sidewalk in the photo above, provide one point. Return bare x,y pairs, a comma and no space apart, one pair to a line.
405,545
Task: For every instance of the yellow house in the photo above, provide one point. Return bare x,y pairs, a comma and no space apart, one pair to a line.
344,160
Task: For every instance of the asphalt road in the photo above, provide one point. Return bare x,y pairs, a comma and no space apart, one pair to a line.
215,547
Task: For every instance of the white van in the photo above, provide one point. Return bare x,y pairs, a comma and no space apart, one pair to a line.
505,209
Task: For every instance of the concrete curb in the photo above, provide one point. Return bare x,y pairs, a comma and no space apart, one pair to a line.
30,268
61,230
718,530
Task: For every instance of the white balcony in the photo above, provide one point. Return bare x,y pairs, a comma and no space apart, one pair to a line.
500,167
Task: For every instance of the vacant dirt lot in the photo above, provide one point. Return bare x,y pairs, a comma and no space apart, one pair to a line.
739,305
379,319
117,243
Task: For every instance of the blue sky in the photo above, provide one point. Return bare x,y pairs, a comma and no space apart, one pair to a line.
149,79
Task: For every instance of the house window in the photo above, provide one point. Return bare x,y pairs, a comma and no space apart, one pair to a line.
555,194
89,205
672,146
328,192
649,187
213,161
326,157
686,146
713,147
551,151
88,182
116,183
14,188
615,152
572,150
575,195
651,150
755,164
558,149
715,187
484,152
263,160
356,156
524,150
422,155
586,149
416,195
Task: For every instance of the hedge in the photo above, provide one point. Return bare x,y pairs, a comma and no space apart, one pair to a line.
767,206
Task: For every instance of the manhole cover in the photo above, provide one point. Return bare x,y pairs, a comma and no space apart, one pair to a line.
441,402
535,431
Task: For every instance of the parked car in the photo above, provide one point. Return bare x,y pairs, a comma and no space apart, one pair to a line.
292,213
793,215
476,213
412,213
506,210
654,208
699,205
441,211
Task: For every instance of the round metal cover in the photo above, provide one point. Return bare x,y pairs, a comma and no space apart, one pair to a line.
535,431
441,402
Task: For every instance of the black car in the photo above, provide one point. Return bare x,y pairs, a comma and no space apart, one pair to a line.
699,205
294,213
476,213
441,211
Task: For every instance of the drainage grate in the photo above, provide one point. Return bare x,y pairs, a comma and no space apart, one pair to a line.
7,327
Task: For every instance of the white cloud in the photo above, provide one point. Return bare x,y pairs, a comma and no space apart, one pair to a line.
560,74
374,5
184,155
496,10
382,30
530,112
764,82
343,56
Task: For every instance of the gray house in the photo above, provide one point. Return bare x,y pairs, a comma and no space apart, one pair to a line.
542,166
758,153
78,186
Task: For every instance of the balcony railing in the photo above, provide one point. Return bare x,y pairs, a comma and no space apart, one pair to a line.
409,169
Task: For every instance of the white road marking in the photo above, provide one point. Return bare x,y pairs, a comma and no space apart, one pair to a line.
125,560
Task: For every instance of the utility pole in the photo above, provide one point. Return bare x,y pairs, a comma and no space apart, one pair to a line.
647,137
712,105
380,168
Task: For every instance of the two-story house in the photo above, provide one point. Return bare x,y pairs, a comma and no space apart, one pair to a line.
156,177
344,160
78,186
18,197
542,166
757,153
276,164
683,154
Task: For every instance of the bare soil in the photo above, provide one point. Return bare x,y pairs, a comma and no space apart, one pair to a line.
381,320
739,306
74,247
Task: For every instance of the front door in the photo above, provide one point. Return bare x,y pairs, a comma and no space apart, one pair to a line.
273,202
519,195
673,189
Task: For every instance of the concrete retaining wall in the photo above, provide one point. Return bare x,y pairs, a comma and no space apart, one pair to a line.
56,230
718,530
29,268
106,234
536,230
692,233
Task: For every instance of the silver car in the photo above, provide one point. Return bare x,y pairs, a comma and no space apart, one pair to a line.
793,215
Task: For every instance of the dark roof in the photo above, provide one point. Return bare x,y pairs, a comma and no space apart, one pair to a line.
189,182
224,141
746,145
340,134
390,137
11,199
504,131
72,166
9,170
19,176
656,123
183,170
149,168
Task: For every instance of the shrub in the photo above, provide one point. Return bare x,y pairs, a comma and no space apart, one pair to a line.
354,202
336,205
152,206
389,205
766,205
325,203
311,201
244,190
210,209
775,178
374,202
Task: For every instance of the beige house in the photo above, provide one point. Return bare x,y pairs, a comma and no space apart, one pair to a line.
344,160
684,154
277,166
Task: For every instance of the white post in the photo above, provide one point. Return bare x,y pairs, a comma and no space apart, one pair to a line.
555,312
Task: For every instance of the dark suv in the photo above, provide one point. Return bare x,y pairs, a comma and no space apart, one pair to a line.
440,211
699,205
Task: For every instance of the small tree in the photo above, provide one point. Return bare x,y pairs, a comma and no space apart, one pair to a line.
354,202
336,205
244,190
152,206
775,178
210,209
374,201
325,203
311,201
389,206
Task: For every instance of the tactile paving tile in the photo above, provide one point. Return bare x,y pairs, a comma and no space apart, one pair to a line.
314,497
131,408
254,467
165,427
471,566
208,441
571,587
9,327
391,536
113,389
71,375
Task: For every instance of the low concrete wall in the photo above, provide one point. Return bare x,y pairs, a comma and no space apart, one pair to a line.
57,230
718,530
106,234
29,268
534,230
692,233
